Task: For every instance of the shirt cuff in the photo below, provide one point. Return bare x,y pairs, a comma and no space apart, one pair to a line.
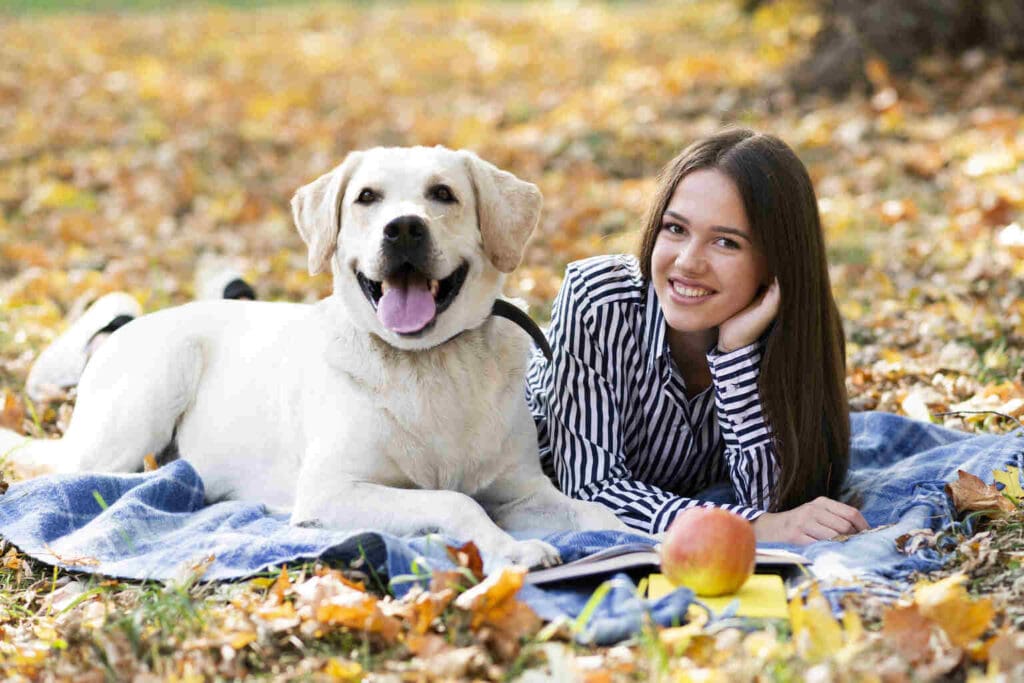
663,517
737,396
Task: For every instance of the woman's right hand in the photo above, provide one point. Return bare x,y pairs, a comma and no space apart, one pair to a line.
818,520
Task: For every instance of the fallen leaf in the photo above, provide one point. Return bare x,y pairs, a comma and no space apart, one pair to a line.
1007,651
467,556
1010,479
910,632
947,603
970,493
12,413
493,603
816,632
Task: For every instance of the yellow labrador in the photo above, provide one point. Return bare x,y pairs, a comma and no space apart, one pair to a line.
395,404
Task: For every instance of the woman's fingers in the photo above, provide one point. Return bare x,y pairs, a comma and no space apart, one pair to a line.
850,514
838,524
818,531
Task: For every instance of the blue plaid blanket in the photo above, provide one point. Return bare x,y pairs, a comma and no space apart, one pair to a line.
155,526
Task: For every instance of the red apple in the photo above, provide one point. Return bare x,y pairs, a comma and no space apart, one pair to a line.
709,550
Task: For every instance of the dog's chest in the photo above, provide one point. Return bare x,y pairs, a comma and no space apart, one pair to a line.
448,419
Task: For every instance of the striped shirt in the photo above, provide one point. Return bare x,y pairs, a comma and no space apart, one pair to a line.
614,422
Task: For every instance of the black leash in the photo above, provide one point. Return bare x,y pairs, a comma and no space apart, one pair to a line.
504,309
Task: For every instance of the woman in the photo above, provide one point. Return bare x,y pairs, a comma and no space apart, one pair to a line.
715,355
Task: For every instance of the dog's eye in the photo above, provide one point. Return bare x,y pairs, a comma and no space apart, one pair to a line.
367,196
441,193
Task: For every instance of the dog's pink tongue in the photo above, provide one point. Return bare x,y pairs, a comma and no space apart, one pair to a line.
407,306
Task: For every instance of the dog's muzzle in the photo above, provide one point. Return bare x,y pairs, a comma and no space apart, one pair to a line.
409,298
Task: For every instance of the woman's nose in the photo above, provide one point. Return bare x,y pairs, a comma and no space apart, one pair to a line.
691,258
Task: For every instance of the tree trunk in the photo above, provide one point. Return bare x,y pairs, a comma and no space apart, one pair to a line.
901,31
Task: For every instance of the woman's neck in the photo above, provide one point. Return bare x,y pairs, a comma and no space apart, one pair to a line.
689,351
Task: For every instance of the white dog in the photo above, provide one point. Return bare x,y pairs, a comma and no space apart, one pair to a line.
396,404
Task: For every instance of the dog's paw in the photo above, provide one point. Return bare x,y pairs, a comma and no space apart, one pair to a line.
531,553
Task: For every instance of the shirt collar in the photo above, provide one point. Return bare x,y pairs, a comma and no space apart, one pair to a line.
654,328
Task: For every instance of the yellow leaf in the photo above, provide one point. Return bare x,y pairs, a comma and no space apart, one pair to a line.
1010,478
947,604
816,632
241,639
891,355
341,670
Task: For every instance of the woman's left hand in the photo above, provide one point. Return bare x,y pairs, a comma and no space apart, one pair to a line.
744,328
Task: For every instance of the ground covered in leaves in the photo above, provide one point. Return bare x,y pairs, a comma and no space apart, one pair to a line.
137,142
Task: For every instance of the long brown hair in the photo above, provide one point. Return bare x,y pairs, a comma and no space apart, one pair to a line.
803,369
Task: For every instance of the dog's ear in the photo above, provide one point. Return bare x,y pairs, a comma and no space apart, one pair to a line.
316,208
507,210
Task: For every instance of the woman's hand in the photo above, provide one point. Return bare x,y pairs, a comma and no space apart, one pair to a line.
744,328
818,520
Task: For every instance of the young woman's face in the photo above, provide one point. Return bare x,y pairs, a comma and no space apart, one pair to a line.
705,266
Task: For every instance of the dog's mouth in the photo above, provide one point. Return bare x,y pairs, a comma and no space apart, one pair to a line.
408,302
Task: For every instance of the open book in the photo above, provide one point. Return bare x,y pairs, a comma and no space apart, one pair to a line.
634,556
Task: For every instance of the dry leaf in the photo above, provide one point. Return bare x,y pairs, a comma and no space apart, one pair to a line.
816,632
12,414
970,493
467,556
909,632
492,603
1007,650
947,604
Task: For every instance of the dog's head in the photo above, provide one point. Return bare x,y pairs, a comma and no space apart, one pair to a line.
419,239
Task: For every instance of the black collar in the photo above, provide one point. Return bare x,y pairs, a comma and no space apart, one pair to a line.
504,309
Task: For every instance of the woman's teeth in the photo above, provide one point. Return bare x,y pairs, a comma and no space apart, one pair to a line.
692,292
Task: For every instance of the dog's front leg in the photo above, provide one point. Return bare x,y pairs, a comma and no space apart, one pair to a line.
528,501
408,512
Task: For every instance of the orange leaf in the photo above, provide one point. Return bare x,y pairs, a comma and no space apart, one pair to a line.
12,414
429,606
493,602
467,556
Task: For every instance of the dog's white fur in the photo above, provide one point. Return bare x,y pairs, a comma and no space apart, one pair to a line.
322,410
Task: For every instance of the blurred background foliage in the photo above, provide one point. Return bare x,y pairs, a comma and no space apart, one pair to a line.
136,136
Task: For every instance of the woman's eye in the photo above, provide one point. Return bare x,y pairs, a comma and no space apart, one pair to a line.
367,196
727,243
441,193
674,228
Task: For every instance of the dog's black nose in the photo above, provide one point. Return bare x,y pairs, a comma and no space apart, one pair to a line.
405,232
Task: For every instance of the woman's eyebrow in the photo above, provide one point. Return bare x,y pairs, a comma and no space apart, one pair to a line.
715,228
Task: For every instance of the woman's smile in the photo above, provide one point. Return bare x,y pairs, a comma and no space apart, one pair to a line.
705,265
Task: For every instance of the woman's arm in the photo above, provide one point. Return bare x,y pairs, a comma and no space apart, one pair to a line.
585,416
749,449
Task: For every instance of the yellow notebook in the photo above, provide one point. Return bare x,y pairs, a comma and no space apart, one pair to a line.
762,596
